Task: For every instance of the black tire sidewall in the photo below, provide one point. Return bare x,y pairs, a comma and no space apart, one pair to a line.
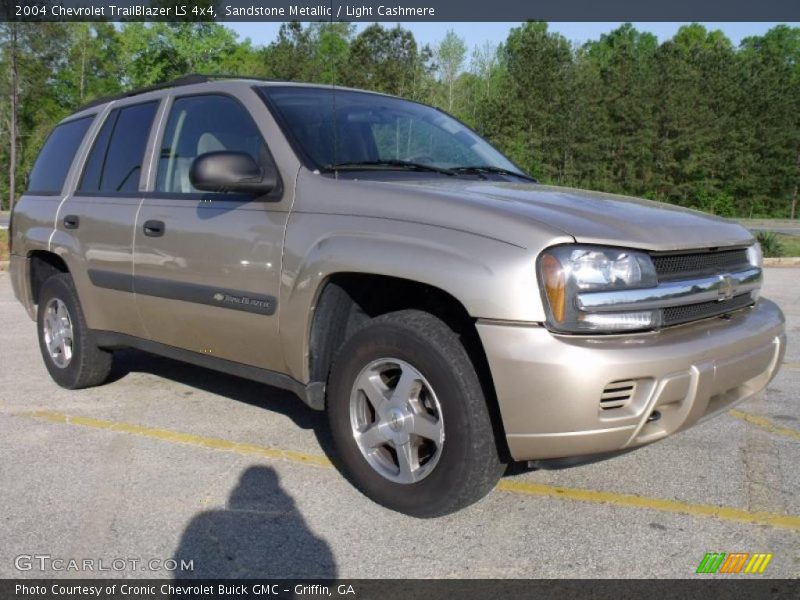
60,287
456,391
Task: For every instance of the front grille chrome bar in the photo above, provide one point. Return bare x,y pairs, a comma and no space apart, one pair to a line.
673,293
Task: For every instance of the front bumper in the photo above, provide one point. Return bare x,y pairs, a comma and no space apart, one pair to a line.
549,386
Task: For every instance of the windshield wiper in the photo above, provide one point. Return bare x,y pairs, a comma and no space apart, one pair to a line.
478,169
387,164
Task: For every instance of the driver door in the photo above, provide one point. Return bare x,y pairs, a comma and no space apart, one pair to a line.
207,265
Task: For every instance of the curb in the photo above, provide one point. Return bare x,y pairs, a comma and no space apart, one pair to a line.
782,261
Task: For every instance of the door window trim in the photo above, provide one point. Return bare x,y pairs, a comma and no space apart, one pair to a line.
76,192
272,197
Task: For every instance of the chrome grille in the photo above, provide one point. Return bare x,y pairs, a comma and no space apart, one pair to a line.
688,265
676,315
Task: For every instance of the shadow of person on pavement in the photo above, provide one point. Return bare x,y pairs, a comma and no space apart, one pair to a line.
259,534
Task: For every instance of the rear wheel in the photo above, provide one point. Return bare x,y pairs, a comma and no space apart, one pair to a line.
409,420
69,353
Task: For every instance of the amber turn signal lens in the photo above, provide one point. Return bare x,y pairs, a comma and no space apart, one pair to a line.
554,279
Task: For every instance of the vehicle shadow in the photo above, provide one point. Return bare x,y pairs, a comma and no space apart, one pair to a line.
130,360
230,386
258,534
243,390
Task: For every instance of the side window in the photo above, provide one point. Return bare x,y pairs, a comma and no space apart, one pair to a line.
115,162
201,124
52,165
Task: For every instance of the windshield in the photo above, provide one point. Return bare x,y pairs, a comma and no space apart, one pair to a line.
337,128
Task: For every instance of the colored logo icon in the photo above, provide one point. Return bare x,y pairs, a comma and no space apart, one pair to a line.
734,562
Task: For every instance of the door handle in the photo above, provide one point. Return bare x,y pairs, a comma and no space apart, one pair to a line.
154,228
72,222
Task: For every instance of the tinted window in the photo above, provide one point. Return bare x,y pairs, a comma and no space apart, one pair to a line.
341,126
201,124
53,162
94,163
115,162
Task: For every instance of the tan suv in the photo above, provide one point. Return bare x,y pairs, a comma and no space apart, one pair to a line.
386,264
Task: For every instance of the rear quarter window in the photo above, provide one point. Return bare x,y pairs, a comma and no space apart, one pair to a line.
52,165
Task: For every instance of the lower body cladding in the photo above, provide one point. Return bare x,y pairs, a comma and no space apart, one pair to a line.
565,396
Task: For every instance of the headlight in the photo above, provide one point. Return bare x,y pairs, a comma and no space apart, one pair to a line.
565,271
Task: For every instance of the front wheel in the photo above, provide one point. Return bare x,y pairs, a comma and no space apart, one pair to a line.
409,419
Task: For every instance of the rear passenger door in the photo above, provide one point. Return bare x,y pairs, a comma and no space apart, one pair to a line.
207,265
100,215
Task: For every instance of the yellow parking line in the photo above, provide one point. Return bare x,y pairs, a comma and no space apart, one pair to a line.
181,438
765,424
725,513
791,365
516,487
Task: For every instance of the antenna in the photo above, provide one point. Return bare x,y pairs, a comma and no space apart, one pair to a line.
333,102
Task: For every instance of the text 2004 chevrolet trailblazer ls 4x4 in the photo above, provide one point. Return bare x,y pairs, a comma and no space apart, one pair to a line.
388,265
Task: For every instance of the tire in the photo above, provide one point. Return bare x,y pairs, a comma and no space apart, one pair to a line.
69,353
411,350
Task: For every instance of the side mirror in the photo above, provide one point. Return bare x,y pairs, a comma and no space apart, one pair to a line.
227,171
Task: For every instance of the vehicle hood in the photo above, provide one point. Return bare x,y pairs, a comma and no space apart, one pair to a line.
589,217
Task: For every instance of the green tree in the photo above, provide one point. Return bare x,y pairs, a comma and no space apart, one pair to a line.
32,54
317,53
157,52
93,67
625,59
693,120
384,60
771,104
332,49
696,102
540,66
450,55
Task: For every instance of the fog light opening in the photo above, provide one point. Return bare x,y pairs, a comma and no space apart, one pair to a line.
654,416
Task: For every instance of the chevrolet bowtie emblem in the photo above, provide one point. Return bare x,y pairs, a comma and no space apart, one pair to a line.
726,288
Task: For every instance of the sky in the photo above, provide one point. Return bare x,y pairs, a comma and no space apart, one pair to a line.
477,34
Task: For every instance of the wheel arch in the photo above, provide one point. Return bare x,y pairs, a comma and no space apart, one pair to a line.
43,264
345,300
486,277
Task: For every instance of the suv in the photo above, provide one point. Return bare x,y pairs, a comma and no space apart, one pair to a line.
382,261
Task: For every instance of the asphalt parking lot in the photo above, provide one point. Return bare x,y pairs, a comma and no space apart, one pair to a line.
170,461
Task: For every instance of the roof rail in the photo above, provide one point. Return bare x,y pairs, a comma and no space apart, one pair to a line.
190,79
185,80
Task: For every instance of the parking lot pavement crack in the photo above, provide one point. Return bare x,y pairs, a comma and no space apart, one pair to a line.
762,468
216,487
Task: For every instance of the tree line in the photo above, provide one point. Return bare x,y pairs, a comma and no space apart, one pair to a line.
693,120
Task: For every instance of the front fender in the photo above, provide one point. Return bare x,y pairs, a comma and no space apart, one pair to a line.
491,279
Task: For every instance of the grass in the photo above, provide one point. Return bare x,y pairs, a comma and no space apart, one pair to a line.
3,244
790,244
757,223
